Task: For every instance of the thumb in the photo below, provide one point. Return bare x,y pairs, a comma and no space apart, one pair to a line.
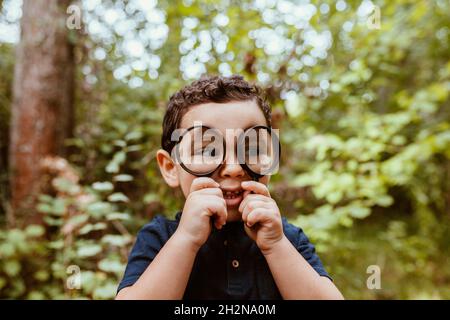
246,193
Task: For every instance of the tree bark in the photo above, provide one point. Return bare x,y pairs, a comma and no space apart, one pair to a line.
43,99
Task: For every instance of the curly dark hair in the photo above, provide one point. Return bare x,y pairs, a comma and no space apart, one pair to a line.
217,89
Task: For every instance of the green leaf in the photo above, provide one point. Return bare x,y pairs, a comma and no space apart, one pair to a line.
66,185
150,197
384,201
53,221
116,240
59,207
98,209
123,178
89,250
78,220
117,160
118,197
109,265
103,186
44,208
359,212
42,275
86,229
57,244
112,167
117,216
35,295
133,135
107,291
92,227
120,143
34,230
133,148
45,198
334,197
6,250
11,268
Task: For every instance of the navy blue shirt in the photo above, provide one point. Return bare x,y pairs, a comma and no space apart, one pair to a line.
228,266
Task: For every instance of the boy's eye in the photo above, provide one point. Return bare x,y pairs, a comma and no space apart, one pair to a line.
253,150
210,152
207,152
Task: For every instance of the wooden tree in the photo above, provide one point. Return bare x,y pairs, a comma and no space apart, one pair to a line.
43,98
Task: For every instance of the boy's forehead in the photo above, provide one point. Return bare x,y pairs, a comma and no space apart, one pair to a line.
222,116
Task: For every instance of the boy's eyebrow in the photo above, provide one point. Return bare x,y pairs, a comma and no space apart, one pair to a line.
250,126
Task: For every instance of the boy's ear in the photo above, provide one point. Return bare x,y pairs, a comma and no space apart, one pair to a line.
167,168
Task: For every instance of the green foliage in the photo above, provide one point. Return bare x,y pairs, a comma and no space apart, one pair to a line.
413,265
378,130
83,228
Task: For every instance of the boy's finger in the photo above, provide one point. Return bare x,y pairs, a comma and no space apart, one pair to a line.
250,197
253,205
218,211
258,215
210,191
203,182
246,193
221,219
256,187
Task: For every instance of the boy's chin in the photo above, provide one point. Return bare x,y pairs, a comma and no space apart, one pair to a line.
233,215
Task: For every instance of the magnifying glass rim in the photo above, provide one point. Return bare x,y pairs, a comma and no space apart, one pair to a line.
243,163
177,153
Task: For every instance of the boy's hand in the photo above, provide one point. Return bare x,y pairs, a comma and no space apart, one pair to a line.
261,216
204,201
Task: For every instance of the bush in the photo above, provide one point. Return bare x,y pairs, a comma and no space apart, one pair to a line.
83,231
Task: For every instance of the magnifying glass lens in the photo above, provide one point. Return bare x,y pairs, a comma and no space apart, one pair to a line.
261,151
201,150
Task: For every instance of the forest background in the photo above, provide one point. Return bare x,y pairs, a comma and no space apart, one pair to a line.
359,91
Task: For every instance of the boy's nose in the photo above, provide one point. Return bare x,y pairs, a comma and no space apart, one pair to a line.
231,168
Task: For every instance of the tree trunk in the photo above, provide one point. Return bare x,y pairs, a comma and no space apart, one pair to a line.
43,99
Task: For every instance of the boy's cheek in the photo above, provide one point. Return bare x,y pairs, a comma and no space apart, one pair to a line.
265,180
185,180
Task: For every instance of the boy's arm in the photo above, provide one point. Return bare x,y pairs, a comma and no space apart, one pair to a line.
294,276
167,275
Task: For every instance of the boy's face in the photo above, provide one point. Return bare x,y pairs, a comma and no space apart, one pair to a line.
221,116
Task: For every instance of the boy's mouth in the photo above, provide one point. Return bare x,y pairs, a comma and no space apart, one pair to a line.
233,197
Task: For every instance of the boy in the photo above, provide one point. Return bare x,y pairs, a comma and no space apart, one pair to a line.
229,241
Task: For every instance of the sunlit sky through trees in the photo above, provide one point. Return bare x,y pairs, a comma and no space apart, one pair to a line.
142,29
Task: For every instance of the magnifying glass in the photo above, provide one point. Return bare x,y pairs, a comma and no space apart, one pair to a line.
258,151
201,150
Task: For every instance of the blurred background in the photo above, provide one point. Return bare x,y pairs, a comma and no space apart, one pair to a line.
359,90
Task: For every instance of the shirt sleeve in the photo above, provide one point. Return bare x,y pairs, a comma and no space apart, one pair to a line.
149,241
301,242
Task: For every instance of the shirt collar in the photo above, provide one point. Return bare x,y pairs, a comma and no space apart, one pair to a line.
232,231
230,227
